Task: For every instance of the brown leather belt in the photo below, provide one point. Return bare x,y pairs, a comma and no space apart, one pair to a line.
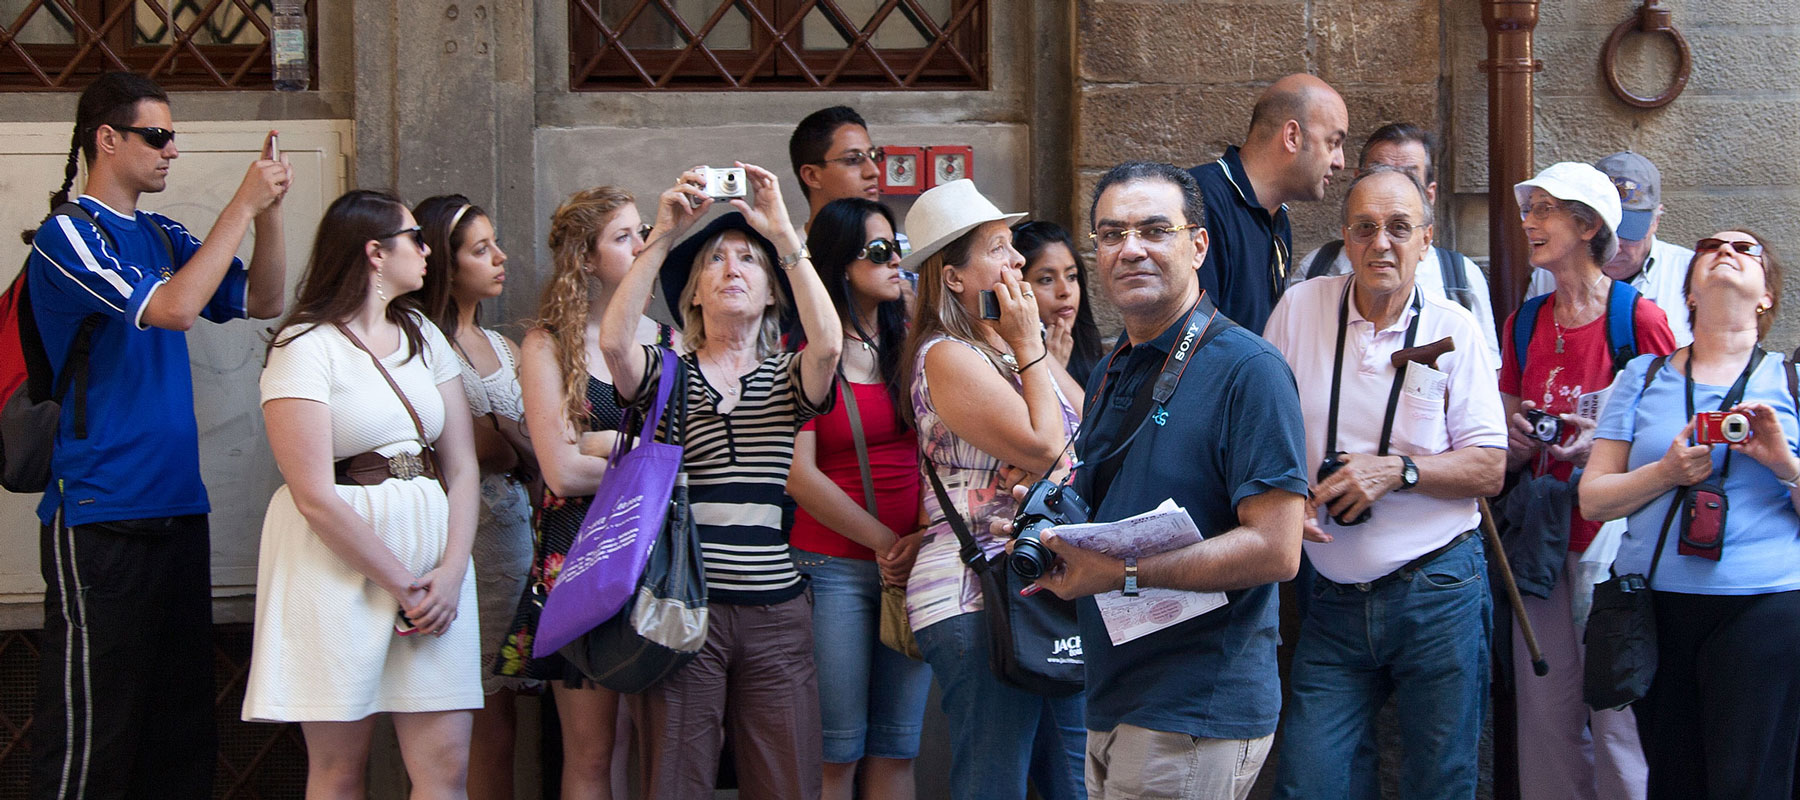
370,469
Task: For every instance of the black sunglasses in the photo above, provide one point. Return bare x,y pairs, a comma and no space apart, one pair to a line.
417,233
880,251
158,138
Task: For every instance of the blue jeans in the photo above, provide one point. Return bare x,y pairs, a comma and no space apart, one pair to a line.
871,699
1424,639
1000,735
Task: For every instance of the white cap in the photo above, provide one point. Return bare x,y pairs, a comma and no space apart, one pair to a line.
1573,180
949,210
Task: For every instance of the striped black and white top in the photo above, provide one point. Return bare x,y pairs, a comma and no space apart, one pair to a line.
737,467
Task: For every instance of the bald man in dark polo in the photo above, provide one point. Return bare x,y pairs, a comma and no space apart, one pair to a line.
1295,143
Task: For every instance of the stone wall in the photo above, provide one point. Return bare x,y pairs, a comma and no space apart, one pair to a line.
1174,80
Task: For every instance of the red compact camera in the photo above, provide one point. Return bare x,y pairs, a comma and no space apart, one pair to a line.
1721,427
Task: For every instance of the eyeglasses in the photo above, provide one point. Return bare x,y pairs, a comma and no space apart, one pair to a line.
417,233
1159,235
1750,249
1542,208
158,138
879,251
855,158
1398,230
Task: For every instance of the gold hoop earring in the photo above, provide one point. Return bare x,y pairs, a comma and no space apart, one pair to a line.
1761,310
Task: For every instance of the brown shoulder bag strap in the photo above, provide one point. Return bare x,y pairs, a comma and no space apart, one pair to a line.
426,450
862,444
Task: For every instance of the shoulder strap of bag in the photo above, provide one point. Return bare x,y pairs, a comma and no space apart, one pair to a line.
1524,325
1680,494
424,441
1793,380
1621,323
862,444
1322,262
970,553
1456,281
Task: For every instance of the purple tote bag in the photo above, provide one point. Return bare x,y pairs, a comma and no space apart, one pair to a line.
604,564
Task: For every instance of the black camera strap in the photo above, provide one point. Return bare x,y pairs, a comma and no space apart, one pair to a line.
1151,405
1337,373
1732,397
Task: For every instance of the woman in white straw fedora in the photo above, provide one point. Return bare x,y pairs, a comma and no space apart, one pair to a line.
991,411
1555,349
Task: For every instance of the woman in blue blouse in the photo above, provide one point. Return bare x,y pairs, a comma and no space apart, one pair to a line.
1722,717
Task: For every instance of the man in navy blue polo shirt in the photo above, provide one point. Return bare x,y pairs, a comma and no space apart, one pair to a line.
1295,143
125,694
1187,711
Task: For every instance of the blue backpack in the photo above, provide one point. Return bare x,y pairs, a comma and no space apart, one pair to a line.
1621,325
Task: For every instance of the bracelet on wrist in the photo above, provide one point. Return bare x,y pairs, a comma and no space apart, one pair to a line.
1020,369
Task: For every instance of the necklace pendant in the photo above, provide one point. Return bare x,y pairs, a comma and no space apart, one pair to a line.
1559,343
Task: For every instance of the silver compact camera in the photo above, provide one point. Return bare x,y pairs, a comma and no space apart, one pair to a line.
725,183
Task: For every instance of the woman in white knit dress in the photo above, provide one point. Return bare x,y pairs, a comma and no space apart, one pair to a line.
363,538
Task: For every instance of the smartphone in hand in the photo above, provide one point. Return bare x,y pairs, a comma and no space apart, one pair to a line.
990,304
274,147
403,624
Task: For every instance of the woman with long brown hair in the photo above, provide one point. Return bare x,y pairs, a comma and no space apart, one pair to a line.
365,563
466,266
990,404
569,407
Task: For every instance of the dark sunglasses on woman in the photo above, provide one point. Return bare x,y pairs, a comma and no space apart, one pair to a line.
880,251
417,234
1751,249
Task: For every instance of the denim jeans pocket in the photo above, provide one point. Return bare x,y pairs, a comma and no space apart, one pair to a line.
1438,579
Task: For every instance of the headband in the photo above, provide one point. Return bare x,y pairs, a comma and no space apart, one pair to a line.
457,218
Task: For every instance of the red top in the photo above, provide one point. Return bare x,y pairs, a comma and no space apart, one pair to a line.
1554,381
893,465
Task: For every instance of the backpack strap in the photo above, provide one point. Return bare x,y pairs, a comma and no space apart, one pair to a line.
1321,263
74,373
1456,281
1621,324
1525,324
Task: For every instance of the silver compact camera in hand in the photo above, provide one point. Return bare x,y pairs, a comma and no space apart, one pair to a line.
724,183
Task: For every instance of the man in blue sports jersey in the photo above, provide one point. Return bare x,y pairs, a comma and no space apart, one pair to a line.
125,692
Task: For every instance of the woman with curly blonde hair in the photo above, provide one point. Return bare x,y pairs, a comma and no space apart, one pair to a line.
570,411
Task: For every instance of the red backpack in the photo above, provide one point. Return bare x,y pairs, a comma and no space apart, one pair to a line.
30,406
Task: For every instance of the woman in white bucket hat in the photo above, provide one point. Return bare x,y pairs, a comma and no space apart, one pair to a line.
991,410
1557,348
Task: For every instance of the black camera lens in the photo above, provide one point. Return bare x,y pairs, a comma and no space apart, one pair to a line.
1030,558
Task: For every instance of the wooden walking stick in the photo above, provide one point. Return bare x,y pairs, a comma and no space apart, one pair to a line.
1428,355
1489,533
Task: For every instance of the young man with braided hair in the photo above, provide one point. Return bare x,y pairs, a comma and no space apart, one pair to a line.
125,692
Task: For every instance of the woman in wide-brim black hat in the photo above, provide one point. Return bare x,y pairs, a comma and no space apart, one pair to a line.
746,401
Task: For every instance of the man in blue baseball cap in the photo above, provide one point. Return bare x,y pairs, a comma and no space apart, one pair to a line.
1652,266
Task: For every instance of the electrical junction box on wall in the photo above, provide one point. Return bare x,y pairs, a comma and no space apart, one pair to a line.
951,163
904,170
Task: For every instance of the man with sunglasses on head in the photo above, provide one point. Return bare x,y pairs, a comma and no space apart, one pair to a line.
1295,143
1654,267
1403,439
125,694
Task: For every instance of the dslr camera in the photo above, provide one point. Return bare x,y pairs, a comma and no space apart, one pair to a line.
1334,462
1721,427
1545,427
1047,505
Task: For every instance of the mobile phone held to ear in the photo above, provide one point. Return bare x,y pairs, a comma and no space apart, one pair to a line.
990,304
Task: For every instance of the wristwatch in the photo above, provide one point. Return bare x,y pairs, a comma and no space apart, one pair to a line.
788,261
1131,586
1409,473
